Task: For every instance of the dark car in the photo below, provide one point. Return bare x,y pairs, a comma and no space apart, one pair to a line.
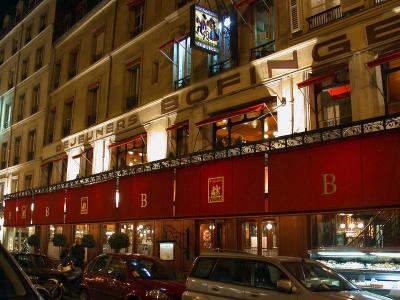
14,284
41,271
129,276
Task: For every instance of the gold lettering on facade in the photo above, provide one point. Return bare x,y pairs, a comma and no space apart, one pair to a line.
47,211
143,202
329,184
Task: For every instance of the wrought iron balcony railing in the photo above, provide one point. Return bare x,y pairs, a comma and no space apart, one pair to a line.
181,83
220,67
325,17
138,30
262,50
341,132
132,101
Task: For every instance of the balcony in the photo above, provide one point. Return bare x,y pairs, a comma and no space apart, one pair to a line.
31,155
131,102
325,17
16,160
181,83
136,31
220,67
377,2
262,50
91,119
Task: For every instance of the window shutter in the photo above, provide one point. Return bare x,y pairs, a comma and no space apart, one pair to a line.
295,22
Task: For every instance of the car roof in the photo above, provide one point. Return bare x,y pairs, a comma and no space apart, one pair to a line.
244,255
129,256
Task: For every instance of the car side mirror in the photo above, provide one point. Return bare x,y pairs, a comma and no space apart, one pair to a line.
285,285
120,275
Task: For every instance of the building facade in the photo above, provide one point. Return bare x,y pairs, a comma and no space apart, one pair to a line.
147,135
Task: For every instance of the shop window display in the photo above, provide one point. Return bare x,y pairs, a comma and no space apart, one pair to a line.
130,154
129,230
144,238
250,237
16,238
53,251
269,241
81,230
107,231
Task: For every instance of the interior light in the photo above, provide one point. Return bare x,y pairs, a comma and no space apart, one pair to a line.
351,225
131,164
396,9
342,226
224,121
227,22
275,133
360,225
254,123
266,135
269,226
117,199
130,152
32,206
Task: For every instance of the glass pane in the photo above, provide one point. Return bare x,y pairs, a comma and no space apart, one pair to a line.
207,236
81,230
394,92
129,229
107,230
232,271
266,275
144,244
203,268
249,237
222,138
100,265
269,240
246,132
270,126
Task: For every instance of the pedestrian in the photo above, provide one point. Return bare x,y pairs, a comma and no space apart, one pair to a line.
78,253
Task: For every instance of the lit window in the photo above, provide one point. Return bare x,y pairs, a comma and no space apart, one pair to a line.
223,60
182,63
131,153
93,94
39,58
132,86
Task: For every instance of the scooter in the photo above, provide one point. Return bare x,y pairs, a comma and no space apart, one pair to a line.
71,276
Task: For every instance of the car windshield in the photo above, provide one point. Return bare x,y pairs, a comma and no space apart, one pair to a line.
318,278
150,269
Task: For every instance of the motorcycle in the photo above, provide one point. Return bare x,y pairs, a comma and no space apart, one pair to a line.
71,276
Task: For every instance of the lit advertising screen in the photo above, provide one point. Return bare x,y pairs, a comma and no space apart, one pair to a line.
204,29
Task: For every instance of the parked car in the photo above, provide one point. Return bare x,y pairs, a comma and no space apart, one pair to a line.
129,276
233,275
41,271
14,283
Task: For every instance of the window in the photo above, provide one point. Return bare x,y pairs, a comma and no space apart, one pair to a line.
80,230
203,267
391,80
31,144
333,100
223,60
52,122
116,266
133,76
263,29
98,48
269,240
25,68
154,71
250,237
182,63
67,118
232,271
17,150
14,185
136,15
1,56
46,173
21,107
86,163
249,127
11,78
266,275
93,95
42,22
101,264
179,140
318,6
73,63
14,46
35,99
131,153
57,74
7,116
64,168
28,182
28,34
80,9
39,58
4,151
145,236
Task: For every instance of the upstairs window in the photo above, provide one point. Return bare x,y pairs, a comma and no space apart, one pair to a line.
136,16
179,139
25,68
52,122
14,185
64,168
28,34
73,63
39,58
182,66
4,151
67,118
28,181
91,109
35,99
21,107
132,85
46,173
98,45
42,22
391,81
31,144
14,46
11,73
1,56
86,161
130,153
319,6
181,3
7,116
57,74
17,150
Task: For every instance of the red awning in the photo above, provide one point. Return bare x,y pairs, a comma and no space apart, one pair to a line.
341,175
146,196
61,157
49,208
128,140
178,125
91,203
384,59
316,79
257,107
242,2
175,39
340,91
24,212
10,215
224,187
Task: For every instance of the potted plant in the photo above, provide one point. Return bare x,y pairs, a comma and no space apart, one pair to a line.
88,241
59,240
118,241
34,241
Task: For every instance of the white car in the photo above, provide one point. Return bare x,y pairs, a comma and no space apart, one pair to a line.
232,275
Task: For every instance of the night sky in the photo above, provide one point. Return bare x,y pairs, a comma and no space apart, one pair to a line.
7,7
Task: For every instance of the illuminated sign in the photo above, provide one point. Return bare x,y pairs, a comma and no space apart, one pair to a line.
204,33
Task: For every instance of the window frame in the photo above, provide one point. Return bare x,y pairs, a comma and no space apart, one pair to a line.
386,71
